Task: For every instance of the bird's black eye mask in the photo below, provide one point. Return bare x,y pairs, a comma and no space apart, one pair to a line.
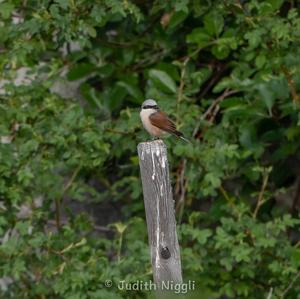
151,107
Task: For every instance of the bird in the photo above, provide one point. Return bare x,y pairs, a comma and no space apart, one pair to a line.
157,122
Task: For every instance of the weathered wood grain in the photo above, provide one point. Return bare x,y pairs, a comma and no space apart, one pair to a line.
160,213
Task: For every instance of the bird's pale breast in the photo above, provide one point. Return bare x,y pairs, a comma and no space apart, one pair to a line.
154,131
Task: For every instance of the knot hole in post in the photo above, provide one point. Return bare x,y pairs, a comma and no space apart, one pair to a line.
165,253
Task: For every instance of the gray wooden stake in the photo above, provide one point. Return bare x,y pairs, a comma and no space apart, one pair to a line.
160,213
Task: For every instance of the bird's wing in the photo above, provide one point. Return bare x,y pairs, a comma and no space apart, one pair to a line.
160,119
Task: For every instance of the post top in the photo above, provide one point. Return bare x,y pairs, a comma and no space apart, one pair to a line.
152,144
153,141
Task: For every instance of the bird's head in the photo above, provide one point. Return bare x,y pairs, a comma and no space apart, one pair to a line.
150,104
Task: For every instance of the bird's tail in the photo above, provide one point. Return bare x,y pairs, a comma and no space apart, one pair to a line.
186,140
180,135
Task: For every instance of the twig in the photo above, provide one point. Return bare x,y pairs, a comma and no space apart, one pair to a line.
182,187
118,132
296,199
270,293
196,52
230,201
119,250
57,213
99,228
218,100
150,59
260,200
290,285
59,200
212,107
214,79
291,84
181,85
70,182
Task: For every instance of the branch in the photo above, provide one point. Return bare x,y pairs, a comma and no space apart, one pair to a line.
230,201
296,199
260,200
96,227
290,285
212,109
70,182
270,293
214,79
181,85
291,84
182,184
118,132
182,187
59,200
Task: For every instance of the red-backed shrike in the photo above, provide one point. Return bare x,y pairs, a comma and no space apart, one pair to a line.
157,122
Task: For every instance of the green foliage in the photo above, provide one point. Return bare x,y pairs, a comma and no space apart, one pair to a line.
73,76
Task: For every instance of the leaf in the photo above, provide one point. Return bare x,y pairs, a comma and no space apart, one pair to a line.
63,3
182,5
116,97
6,10
271,6
198,36
214,23
202,235
226,82
267,96
295,256
212,179
254,38
177,18
162,81
89,93
133,90
106,70
80,70
260,61
242,111
120,227
91,30
220,51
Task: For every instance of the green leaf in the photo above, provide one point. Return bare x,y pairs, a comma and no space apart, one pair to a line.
80,70
120,227
220,51
260,61
202,235
106,70
214,23
226,82
6,10
89,93
295,256
267,96
274,5
177,18
116,97
182,5
63,3
91,30
133,91
198,36
162,81
212,179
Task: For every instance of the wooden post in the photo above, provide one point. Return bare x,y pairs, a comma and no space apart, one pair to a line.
160,213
